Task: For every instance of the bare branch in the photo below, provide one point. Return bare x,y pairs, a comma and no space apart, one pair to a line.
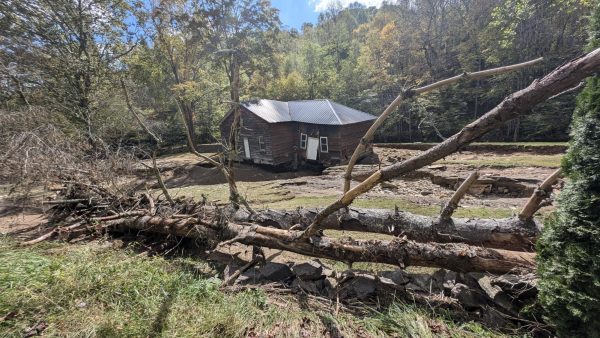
539,195
452,204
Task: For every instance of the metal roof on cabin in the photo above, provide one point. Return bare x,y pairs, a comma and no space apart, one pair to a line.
307,111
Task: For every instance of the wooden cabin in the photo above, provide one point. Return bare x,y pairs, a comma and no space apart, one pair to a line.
297,132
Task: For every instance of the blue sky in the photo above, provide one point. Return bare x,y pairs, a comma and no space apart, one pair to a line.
293,13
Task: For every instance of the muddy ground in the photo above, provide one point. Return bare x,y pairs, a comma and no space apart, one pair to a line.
506,180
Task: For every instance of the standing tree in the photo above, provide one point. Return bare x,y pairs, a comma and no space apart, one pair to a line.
68,50
569,248
241,37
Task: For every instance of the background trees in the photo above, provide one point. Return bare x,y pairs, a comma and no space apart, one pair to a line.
202,54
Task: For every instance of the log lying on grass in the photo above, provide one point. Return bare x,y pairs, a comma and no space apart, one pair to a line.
399,252
506,233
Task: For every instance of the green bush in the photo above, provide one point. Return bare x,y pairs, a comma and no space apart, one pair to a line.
569,247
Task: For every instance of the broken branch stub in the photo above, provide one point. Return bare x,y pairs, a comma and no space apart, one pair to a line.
452,204
539,195
516,104
368,137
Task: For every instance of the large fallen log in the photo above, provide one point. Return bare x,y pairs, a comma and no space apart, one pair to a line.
399,251
506,233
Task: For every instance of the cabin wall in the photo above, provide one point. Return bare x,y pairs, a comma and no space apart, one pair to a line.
352,134
319,130
277,138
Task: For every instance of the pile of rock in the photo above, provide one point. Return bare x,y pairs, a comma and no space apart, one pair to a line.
492,298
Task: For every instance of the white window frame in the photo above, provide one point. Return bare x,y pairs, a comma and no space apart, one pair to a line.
303,140
261,144
326,144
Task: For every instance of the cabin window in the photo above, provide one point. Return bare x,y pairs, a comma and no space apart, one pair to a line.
303,139
324,145
261,143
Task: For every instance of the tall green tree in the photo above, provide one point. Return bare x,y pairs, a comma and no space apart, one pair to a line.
68,52
569,247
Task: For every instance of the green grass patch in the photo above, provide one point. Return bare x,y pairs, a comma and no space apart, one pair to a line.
390,203
548,161
93,290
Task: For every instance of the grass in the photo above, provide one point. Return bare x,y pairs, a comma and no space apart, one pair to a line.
524,160
93,290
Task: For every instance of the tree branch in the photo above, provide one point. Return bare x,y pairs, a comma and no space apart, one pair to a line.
452,204
516,104
368,137
539,195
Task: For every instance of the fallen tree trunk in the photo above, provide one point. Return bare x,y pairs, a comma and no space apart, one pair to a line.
507,233
513,106
400,251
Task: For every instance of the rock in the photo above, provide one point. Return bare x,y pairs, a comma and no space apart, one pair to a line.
485,283
420,282
493,319
363,287
387,185
275,271
250,276
442,280
330,285
398,276
521,287
311,286
469,298
426,192
310,270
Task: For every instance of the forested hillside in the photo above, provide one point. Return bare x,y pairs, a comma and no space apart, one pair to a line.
77,59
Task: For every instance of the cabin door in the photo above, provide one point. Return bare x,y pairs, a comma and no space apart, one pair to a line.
246,147
311,148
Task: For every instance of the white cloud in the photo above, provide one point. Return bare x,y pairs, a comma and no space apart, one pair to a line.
322,5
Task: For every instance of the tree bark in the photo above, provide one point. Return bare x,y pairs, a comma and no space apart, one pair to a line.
507,233
399,251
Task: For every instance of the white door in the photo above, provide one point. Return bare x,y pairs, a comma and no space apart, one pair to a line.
311,148
246,147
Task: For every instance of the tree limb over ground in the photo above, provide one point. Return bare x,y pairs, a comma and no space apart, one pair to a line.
516,104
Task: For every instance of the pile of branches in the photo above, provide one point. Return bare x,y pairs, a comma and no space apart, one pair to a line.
39,149
88,211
